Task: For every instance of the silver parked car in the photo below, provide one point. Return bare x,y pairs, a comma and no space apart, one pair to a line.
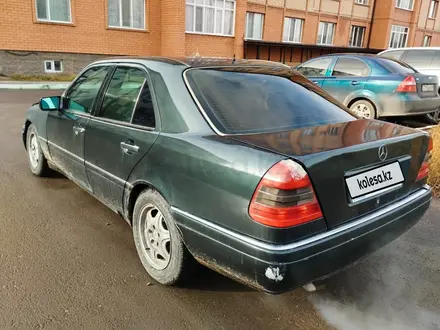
425,60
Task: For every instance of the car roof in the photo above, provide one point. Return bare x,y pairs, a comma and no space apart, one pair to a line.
409,48
193,62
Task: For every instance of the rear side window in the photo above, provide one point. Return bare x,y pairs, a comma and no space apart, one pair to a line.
436,61
419,58
122,94
395,54
238,101
316,68
350,67
396,66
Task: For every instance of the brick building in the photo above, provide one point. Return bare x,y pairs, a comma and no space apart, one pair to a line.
53,36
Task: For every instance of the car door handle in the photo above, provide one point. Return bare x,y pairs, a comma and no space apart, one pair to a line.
355,83
129,148
315,82
78,130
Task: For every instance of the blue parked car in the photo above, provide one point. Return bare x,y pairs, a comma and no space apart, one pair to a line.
372,86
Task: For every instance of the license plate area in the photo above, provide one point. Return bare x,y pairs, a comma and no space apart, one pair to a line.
427,88
374,180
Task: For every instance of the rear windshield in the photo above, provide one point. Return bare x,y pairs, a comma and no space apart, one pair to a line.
239,101
397,66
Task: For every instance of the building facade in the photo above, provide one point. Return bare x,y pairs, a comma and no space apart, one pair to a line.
62,36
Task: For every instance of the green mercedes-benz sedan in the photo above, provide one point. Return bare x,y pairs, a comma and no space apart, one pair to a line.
245,166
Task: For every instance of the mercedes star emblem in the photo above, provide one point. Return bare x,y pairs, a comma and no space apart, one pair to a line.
383,153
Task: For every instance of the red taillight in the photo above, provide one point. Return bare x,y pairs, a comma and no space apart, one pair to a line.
285,197
408,85
424,169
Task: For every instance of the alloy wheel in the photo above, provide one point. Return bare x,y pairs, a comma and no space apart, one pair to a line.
33,150
362,110
434,116
156,239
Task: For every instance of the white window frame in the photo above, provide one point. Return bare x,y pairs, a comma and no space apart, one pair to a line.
288,21
405,4
354,37
361,2
248,14
433,8
52,64
427,38
120,26
321,42
400,31
48,13
194,5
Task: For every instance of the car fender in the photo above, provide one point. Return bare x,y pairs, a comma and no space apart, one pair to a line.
363,94
38,118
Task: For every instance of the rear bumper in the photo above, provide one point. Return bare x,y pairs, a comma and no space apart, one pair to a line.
407,105
279,268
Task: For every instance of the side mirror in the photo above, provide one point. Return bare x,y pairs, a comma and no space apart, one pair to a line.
51,103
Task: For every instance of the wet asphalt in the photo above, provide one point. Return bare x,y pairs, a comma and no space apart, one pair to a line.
68,262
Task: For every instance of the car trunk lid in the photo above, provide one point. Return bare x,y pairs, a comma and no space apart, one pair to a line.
341,158
427,86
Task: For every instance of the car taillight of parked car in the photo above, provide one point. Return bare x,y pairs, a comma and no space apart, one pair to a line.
424,169
408,85
285,197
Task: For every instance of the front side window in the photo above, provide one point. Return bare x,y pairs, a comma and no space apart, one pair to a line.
210,16
326,33
293,29
122,94
399,36
128,14
238,102
426,41
254,26
356,36
53,10
433,9
315,68
83,93
405,4
348,67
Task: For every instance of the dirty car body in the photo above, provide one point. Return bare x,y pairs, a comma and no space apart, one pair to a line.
391,86
272,190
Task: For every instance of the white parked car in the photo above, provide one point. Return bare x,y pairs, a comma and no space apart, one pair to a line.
425,60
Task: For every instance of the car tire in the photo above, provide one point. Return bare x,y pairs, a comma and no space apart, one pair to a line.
37,161
158,241
364,109
433,117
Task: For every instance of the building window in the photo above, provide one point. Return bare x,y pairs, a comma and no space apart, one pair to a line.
361,2
129,14
405,4
53,10
357,36
53,66
426,41
210,16
399,36
326,32
254,26
433,9
293,28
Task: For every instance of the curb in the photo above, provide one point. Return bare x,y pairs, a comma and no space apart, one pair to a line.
18,86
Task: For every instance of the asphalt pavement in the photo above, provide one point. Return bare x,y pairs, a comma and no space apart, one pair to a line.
68,262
